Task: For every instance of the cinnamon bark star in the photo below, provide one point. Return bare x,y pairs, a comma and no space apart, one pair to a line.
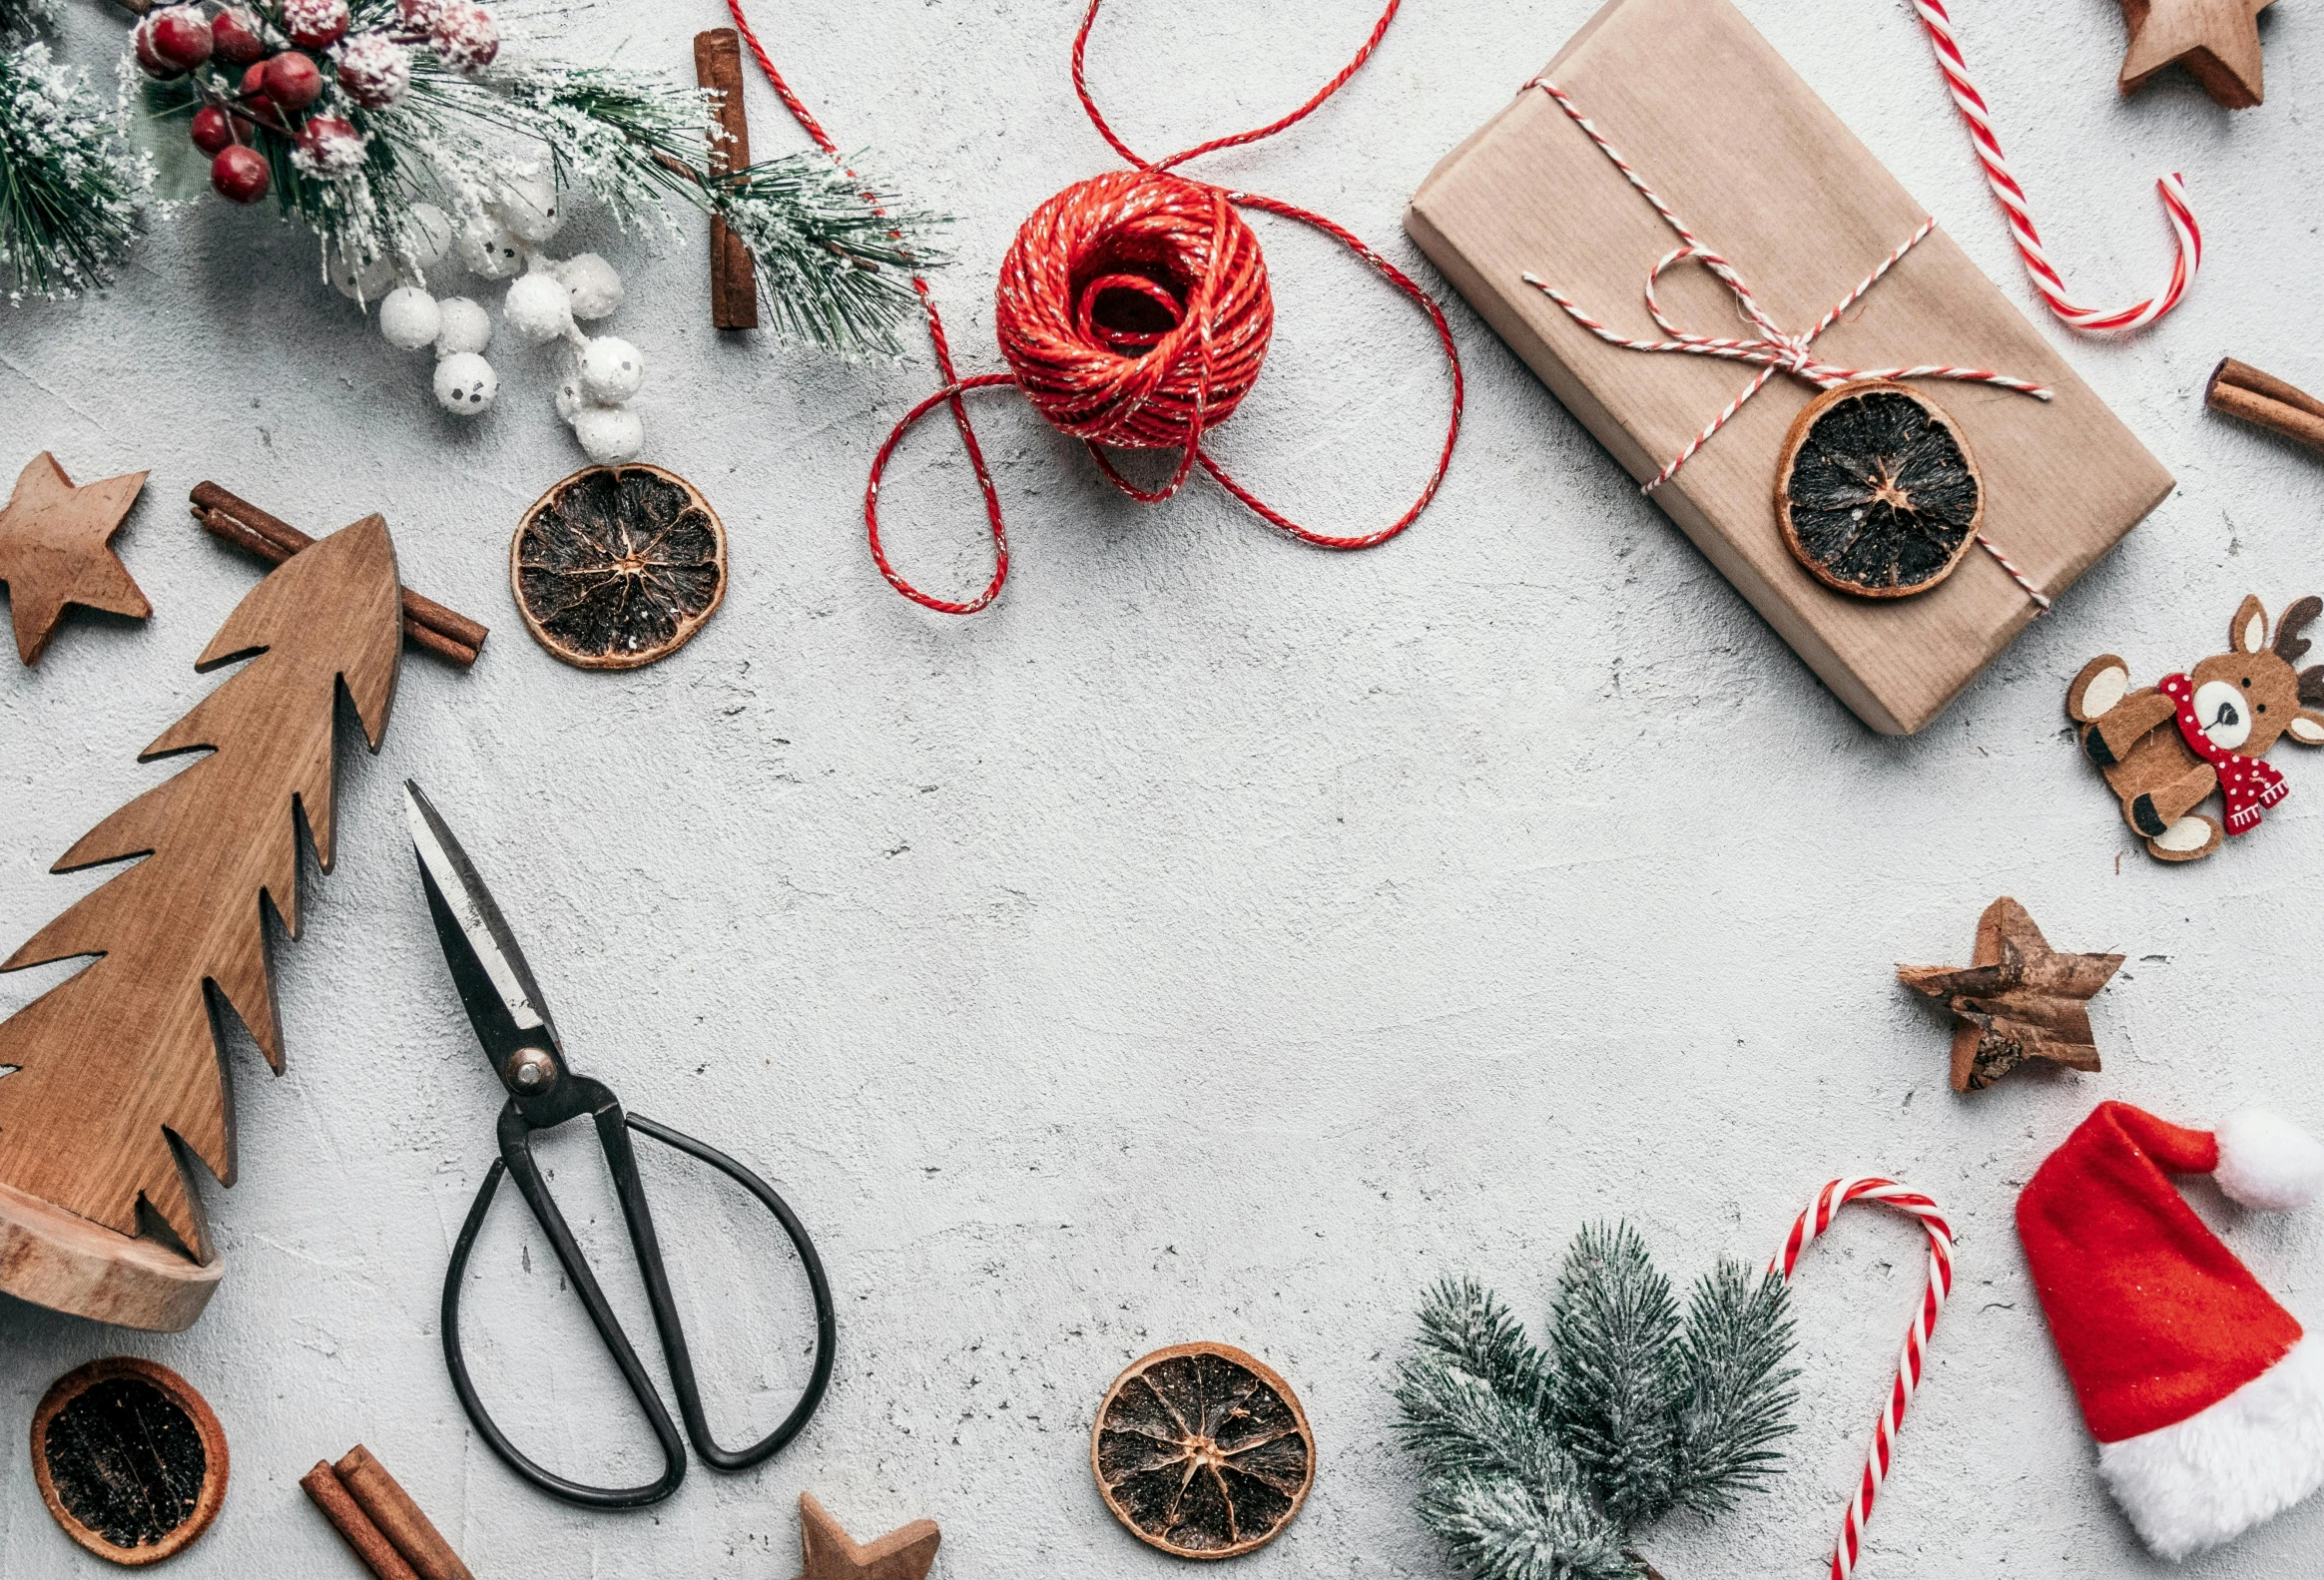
53,551
2018,999
831,1554
2217,41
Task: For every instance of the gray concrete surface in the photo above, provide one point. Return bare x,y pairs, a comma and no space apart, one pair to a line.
1218,939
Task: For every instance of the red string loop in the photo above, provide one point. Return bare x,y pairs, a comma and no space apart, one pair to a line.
1134,311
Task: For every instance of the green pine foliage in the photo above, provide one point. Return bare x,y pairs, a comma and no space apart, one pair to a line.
1544,1464
71,189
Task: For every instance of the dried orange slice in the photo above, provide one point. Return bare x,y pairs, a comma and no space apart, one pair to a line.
1202,1451
1877,491
618,566
129,1458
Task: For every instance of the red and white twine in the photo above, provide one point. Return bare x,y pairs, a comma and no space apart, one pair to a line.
1979,118
1814,1222
1773,350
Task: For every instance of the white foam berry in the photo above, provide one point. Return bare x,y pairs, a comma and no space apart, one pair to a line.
465,326
528,205
368,282
609,434
490,248
409,317
612,369
570,400
538,308
595,286
426,236
465,384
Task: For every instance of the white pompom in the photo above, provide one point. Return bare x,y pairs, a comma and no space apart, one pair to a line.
426,236
528,205
409,317
595,286
367,283
570,400
465,384
2267,1161
538,308
610,434
466,327
612,369
490,248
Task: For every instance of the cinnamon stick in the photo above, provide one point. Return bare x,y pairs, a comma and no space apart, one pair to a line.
427,623
718,65
378,1553
2241,390
397,1518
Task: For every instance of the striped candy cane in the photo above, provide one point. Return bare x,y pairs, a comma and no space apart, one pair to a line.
1979,118
1814,1222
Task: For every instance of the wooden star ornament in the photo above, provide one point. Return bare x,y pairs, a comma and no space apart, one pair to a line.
54,550
2217,41
829,1553
2018,999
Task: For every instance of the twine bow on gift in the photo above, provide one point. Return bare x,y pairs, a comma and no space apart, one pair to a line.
1773,350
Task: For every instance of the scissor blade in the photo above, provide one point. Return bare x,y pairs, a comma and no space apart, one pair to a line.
503,1002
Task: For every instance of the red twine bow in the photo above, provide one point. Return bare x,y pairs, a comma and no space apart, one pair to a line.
1134,311
1773,351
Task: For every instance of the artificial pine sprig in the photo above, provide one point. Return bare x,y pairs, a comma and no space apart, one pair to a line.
833,253
70,185
1543,1465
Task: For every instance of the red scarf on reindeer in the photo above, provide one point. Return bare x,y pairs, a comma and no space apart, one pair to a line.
2247,784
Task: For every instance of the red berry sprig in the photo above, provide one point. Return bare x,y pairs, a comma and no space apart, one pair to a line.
286,75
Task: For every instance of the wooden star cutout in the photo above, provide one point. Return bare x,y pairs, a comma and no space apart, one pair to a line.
54,550
831,1554
2217,41
2018,999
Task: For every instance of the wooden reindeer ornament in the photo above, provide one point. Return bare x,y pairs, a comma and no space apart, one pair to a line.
2166,747
115,1070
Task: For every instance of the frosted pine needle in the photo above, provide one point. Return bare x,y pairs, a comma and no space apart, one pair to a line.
70,187
1544,1465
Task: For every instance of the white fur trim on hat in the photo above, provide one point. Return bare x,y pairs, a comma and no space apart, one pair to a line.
2268,1161
2200,1481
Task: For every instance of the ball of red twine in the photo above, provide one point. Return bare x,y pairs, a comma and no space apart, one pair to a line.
1134,309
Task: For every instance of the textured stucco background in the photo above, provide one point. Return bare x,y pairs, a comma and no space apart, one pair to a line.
1218,939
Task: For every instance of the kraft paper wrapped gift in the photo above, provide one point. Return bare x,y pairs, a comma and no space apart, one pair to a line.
1715,121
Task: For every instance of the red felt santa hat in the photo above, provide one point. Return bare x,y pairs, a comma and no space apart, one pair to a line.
2205,1397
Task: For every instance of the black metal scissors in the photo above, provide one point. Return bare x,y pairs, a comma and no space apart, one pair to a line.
512,1020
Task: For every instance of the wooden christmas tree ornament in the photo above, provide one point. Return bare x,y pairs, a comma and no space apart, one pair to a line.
128,1459
116,1069
829,1553
1202,1451
2166,747
2217,41
55,550
2018,999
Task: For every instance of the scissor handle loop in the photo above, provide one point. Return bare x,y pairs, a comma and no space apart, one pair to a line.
613,1124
